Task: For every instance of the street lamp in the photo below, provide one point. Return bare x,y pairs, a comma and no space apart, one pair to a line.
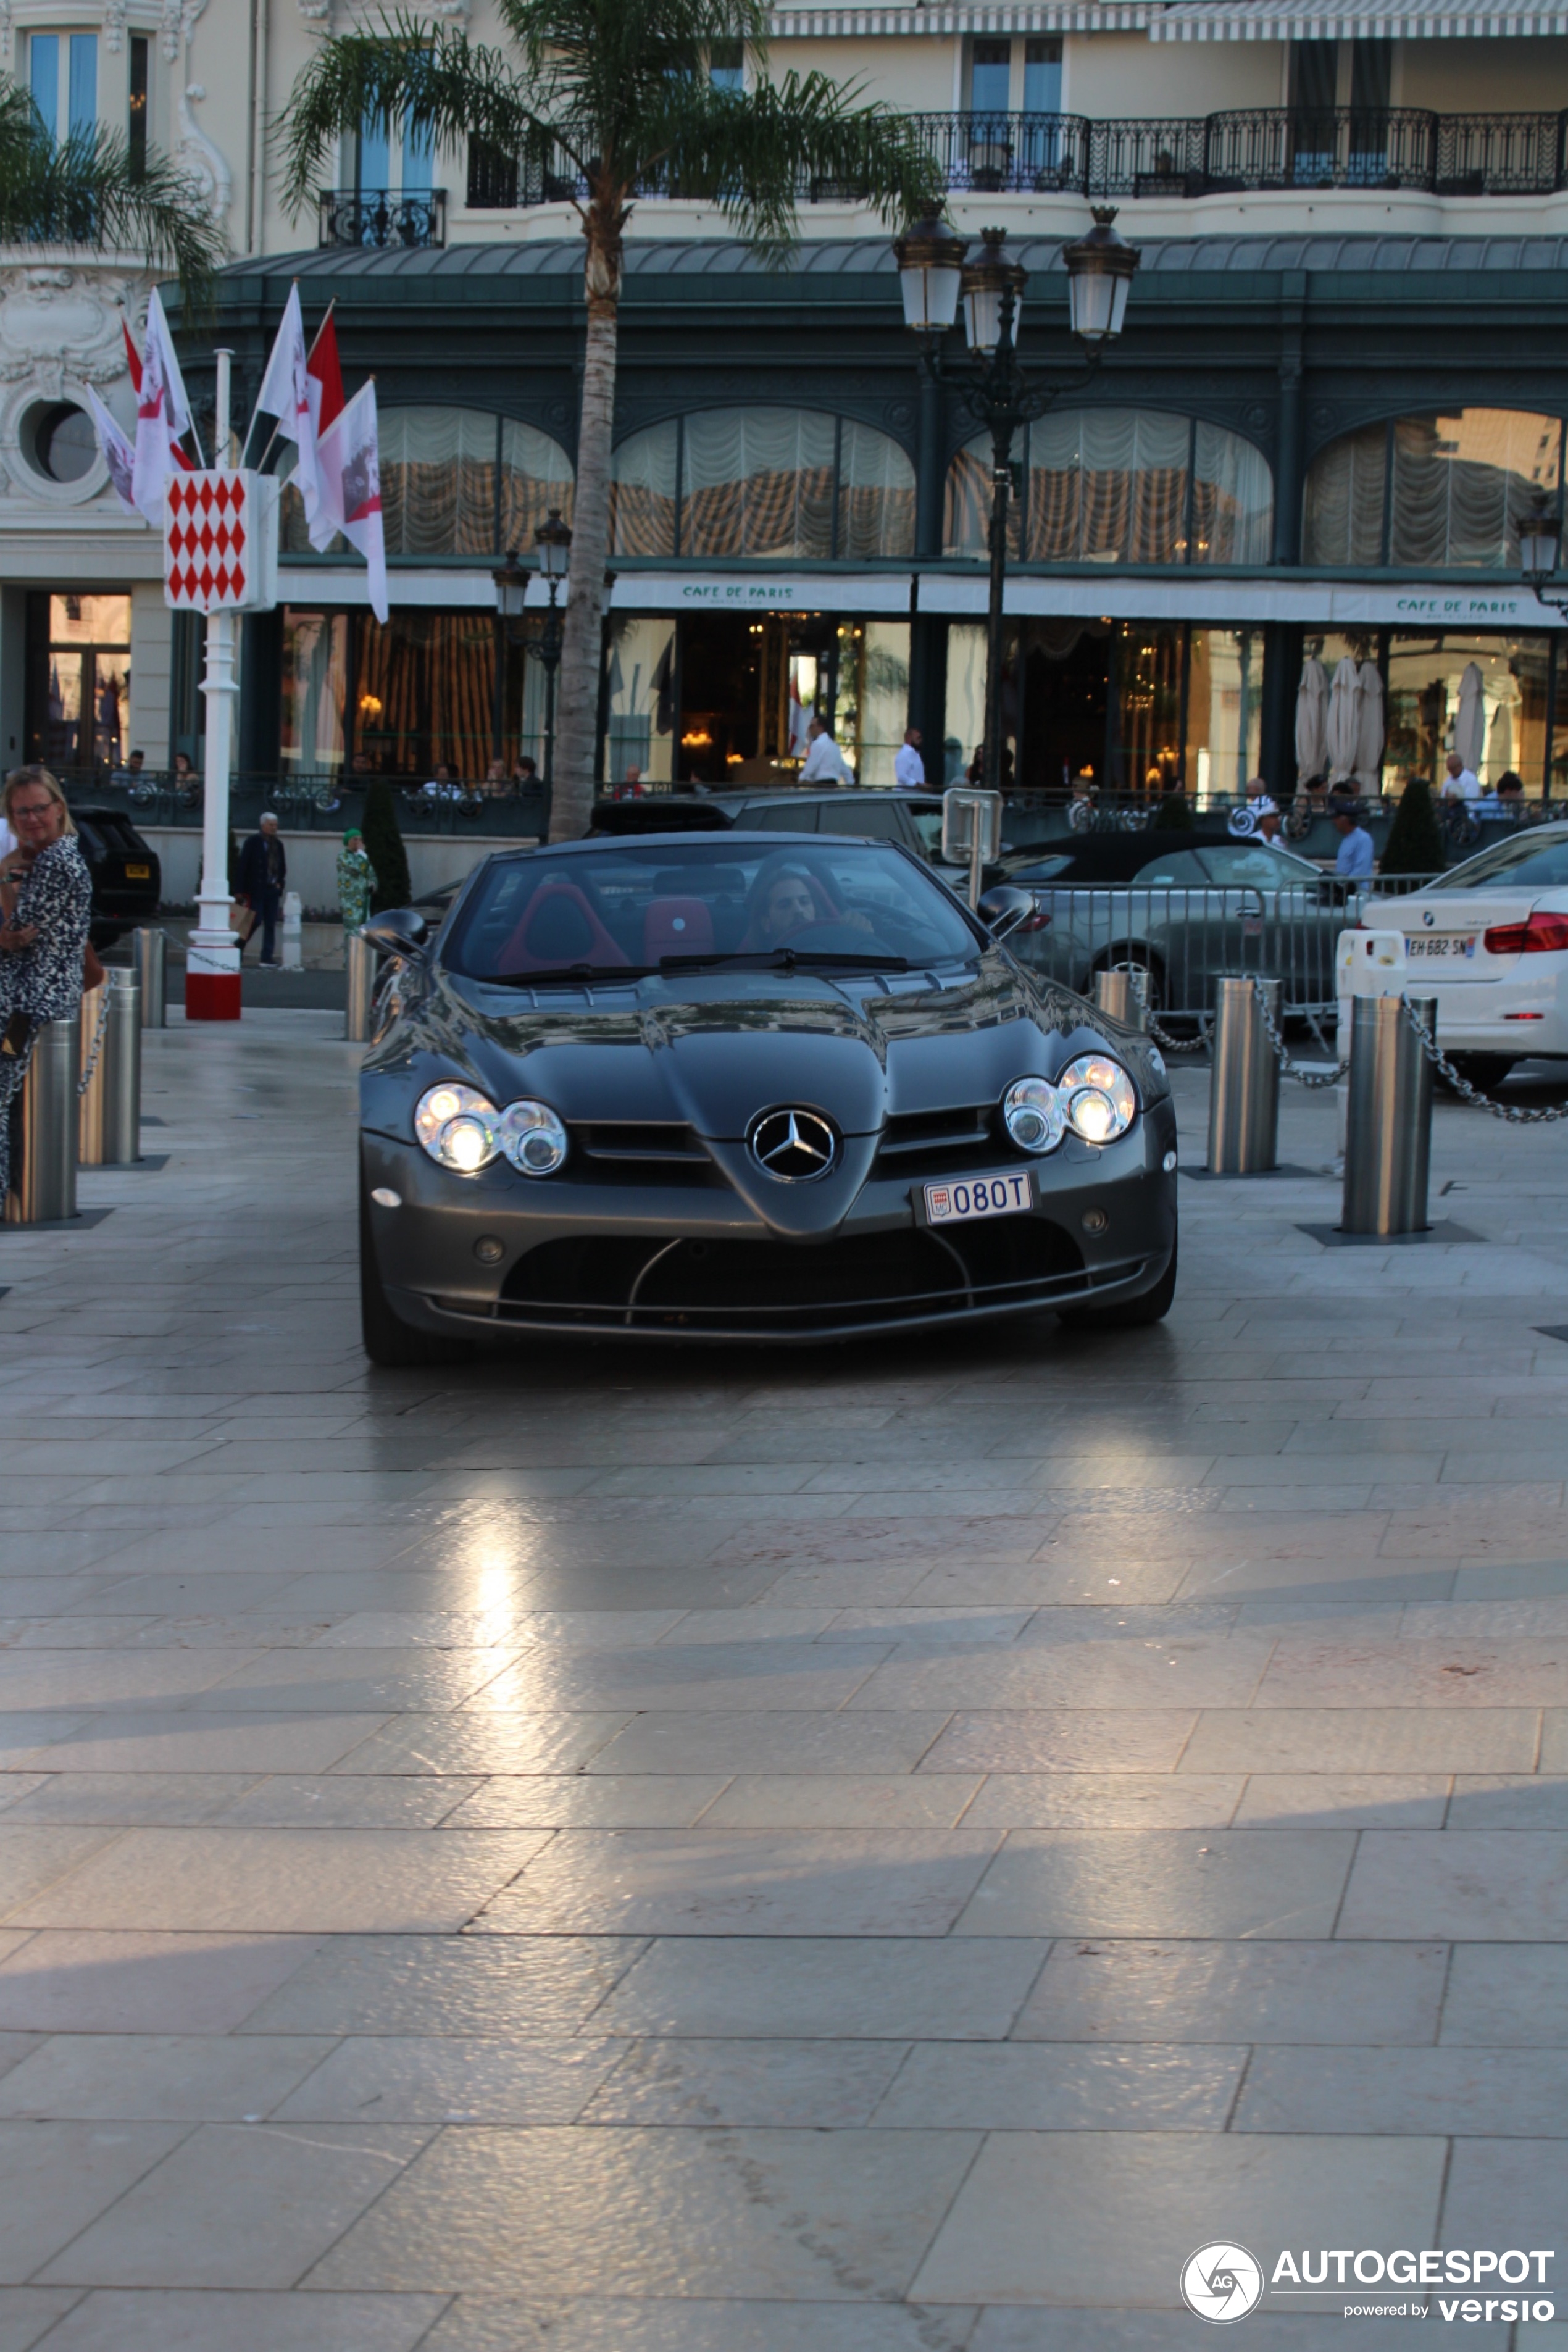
934,274
1539,536
553,541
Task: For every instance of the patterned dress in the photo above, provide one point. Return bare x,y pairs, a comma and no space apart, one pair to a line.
356,880
42,982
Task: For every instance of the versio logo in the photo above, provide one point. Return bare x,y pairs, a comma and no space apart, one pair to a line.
1222,2283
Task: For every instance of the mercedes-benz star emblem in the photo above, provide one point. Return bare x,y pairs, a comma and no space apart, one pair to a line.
794,1145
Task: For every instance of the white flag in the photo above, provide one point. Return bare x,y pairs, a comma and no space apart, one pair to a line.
349,465
118,454
162,414
286,395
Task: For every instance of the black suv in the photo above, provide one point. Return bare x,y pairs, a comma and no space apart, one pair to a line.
126,880
912,818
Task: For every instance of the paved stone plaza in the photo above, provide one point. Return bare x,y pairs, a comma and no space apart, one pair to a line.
879,1851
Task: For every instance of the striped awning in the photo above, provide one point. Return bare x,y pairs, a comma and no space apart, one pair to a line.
1023,16
1358,20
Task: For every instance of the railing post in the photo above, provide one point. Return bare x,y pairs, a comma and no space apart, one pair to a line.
121,1070
1388,1136
1244,1081
44,1129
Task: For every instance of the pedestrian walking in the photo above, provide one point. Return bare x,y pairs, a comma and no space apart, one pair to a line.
908,768
1353,862
356,881
46,907
263,878
825,762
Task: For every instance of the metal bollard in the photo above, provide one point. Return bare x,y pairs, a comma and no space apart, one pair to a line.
150,957
89,1099
1244,1084
120,1072
1116,995
360,962
1388,1138
44,1129
293,933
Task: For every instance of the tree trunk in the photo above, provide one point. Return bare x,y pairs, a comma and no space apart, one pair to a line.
577,706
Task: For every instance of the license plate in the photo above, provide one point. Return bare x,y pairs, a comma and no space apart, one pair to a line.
138,874
980,1196
1428,944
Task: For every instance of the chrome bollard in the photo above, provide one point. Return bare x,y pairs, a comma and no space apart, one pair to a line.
360,962
150,960
1116,994
44,1129
89,1097
1244,1083
1388,1134
119,1070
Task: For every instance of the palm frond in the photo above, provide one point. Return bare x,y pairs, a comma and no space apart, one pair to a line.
88,190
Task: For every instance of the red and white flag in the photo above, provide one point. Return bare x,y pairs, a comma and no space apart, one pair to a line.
327,404
118,454
285,394
162,414
133,364
349,464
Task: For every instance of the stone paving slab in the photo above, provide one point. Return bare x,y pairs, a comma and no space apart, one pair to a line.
880,1852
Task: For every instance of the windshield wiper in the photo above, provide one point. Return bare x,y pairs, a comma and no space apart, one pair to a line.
785,959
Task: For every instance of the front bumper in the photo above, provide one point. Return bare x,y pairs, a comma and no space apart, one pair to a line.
690,1261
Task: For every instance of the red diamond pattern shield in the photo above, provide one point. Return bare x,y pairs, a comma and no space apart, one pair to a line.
209,519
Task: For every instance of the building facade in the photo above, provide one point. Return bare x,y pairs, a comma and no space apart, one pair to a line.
1340,386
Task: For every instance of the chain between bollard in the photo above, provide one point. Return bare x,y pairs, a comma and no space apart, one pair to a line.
91,1070
1310,1078
1511,1114
1199,1044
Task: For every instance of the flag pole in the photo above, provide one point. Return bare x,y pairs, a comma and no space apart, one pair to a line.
212,967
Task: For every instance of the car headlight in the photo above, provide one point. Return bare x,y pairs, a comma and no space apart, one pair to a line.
457,1126
532,1139
1098,1097
1033,1115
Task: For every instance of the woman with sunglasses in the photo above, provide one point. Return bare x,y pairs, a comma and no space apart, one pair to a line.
46,907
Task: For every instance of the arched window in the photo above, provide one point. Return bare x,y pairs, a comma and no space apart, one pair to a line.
780,484
1440,492
1121,486
458,481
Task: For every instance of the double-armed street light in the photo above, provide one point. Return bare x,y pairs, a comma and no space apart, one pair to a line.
553,541
1540,538
933,277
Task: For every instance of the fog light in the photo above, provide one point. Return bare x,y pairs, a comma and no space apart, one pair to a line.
1169,1163
489,1250
1094,1220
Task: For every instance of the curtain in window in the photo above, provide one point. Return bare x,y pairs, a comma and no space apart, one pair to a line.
1343,514
1108,485
758,482
1232,499
876,495
966,525
437,481
535,475
642,492
1460,482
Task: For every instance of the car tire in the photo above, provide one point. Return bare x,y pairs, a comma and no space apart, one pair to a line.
1127,1314
1483,1070
387,1340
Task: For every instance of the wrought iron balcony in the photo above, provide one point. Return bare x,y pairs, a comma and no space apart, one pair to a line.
1248,149
374,217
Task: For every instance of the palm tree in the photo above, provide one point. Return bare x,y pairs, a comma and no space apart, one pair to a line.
89,189
615,97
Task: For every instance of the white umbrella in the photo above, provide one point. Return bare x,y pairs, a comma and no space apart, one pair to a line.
1499,742
1470,726
1344,719
1311,717
1369,730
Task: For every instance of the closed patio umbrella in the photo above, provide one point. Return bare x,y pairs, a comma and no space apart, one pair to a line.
1344,719
1499,742
1311,718
1470,725
1369,730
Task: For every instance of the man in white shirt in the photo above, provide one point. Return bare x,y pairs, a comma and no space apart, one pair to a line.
825,762
1461,784
908,768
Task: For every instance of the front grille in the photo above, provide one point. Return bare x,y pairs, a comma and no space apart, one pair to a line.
940,1142
869,1279
640,1152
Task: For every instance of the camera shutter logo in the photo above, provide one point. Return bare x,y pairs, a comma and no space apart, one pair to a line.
1222,2283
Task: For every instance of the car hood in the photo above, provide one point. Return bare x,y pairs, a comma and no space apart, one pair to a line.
713,1051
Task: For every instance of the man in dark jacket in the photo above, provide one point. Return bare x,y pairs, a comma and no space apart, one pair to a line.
263,877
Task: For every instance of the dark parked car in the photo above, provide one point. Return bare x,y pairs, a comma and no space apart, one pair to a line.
711,1089
126,878
914,819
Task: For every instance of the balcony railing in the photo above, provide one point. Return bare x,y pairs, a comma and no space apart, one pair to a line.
1252,148
372,216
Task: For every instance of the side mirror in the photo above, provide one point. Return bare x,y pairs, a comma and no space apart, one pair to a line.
1002,910
402,931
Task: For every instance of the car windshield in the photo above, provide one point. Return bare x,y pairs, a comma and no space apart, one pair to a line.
639,907
1532,861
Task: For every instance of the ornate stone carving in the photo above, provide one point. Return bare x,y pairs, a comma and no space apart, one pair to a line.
171,30
202,161
60,316
114,24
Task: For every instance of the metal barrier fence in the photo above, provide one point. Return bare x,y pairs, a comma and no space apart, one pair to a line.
313,804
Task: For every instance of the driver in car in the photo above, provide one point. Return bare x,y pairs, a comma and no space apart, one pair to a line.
782,902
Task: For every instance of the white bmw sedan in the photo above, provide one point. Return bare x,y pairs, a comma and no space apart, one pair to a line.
1490,940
